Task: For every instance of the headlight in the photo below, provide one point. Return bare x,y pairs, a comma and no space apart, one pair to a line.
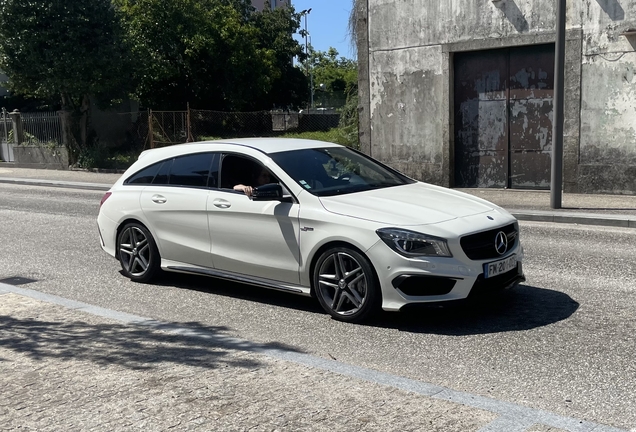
413,244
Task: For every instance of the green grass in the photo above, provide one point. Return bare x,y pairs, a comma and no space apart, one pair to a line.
330,135
335,135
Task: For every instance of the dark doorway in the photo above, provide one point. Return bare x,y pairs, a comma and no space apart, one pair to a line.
503,117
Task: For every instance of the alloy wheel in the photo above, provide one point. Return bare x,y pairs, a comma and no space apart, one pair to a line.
343,283
134,251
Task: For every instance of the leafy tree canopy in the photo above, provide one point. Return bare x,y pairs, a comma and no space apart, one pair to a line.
66,49
290,88
216,54
338,76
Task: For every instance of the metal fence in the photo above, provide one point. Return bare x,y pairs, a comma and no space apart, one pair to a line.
168,127
216,124
6,151
173,127
134,131
5,125
28,128
42,128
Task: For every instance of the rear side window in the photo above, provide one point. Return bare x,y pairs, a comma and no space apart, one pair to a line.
195,170
145,176
192,170
164,172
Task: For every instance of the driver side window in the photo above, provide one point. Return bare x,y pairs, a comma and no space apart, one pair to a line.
239,172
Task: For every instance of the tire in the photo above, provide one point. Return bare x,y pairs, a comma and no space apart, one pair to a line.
346,285
138,253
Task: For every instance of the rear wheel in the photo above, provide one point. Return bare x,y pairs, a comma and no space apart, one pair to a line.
345,285
138,253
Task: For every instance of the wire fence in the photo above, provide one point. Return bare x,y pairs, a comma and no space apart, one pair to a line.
216,124
168,127
174,127
132,131
123,130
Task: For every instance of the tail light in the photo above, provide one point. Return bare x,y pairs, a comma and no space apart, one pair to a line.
104,198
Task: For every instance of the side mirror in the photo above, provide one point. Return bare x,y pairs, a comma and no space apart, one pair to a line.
268,192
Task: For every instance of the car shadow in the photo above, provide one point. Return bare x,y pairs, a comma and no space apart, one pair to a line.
241,291
522,308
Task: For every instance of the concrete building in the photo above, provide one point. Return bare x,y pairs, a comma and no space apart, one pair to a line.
459,92
260,4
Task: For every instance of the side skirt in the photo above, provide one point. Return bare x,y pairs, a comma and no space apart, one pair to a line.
250,280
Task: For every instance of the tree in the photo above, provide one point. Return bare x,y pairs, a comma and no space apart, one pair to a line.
66,50
334,77
217,54
290,86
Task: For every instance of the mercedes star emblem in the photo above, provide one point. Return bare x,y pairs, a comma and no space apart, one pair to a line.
501,243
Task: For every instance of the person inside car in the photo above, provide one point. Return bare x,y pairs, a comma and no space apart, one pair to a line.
260,178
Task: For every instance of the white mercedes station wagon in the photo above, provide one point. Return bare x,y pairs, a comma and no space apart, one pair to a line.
308,217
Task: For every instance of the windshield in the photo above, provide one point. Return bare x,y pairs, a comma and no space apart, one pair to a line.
337,170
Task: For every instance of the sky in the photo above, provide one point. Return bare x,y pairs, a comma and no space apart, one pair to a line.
327,24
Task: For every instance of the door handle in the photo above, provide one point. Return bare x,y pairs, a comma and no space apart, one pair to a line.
159,199
221,203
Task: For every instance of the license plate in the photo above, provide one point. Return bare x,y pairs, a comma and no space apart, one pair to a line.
496,268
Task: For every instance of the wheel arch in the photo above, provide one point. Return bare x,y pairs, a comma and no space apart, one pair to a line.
121,226
334,244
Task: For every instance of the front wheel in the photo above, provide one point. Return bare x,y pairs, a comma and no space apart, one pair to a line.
138,253
345,285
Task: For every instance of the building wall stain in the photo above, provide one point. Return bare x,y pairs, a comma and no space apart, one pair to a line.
418,125
404,91
608,112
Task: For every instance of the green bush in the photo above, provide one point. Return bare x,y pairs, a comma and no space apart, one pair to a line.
100,157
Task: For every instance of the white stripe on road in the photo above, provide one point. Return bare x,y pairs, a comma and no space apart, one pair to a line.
512,417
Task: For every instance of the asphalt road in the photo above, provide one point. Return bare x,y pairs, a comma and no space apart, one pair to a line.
564,342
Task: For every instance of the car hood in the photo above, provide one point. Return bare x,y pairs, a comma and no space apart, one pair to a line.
413,204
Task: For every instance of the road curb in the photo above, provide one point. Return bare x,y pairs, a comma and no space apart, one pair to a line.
56,183
623,221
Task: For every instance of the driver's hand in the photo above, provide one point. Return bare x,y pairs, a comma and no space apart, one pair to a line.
247,190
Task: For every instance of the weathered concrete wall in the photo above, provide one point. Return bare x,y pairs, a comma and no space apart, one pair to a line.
410,46
409,23
608,96
41,157
406,87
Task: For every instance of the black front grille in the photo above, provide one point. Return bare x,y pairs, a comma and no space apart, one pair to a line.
481,246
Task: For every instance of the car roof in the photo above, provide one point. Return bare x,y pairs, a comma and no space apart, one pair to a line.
265,145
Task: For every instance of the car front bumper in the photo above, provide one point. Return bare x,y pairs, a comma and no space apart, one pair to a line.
406,281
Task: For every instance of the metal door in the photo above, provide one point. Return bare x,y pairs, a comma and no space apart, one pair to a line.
503,117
